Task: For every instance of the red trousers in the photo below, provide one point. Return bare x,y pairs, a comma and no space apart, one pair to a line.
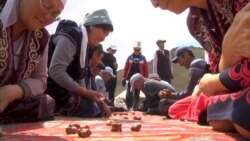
188,109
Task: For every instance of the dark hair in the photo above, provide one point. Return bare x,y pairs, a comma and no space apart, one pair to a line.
190,52
65,23
106,27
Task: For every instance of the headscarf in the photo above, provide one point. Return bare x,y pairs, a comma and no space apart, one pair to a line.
84,45
94,18
64,2
9,13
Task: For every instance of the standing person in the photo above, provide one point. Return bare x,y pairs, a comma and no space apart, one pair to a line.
23,71
110,60
136,63
228,104
76,54
162,62
196,69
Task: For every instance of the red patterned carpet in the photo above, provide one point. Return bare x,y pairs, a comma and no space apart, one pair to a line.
154,128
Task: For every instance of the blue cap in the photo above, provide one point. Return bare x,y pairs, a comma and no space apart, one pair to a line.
178,52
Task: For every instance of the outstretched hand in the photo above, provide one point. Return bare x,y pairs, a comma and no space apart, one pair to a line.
95,96
165,94
8,94
196,93
106,110
4,102
210,84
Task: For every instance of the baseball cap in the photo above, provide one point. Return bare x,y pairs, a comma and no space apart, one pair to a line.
178,52
101,66
134,78
110,71
160,41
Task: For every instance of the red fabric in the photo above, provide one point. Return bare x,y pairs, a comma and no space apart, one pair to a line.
153,128
188,109
179,109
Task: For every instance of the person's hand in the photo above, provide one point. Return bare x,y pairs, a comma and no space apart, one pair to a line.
4,99
115,66
210,84
205,85
123,82
196,93
95,96
236,43
165,94
8,94
106,110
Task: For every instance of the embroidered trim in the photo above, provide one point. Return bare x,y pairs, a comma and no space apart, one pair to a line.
33,53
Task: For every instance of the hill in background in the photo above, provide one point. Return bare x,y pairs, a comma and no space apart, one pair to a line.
180,74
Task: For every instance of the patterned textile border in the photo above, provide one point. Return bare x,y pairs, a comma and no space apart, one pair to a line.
154,128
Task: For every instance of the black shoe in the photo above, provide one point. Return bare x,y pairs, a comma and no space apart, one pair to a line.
118,109
202,118
152,111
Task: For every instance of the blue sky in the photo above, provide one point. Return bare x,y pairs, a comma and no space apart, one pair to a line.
133,20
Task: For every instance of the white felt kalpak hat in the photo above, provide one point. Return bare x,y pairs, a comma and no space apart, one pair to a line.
137,44
134,78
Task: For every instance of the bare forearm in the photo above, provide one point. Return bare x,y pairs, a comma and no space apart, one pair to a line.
210,84
228,59
236,42
82,91
14,92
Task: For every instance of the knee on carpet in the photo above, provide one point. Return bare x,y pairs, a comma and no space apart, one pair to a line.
222,125
243,132
172,111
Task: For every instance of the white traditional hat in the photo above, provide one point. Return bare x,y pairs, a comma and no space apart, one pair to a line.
137,44
113,47
134,78
64,2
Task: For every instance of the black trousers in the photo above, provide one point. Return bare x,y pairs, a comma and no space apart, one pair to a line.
132,98
110,88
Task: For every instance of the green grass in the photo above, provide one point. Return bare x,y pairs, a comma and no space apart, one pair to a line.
180,74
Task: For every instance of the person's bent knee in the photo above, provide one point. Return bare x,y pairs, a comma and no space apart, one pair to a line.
172,111
163,106
243,132
222,125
